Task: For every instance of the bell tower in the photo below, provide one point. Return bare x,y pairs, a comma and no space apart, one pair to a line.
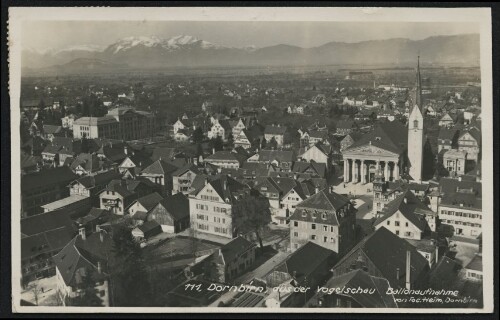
416,130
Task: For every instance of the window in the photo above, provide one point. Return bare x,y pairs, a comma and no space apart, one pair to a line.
313,237
397,232
325,239
325,228
396,223
295,223
295,234
313,226
388,222
406,224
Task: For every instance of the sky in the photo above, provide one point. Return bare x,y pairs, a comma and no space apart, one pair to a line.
56,35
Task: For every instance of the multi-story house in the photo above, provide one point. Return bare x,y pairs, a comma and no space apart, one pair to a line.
454,162
43,236
172,213
220,128
210,206
345,127
318,153
276,132
309,138
116,197
237,128
39,188
461,206
160,173
446,120
85,255
182,179
470,142
225,159
281,159
474,269
327,219
407,217
230,261
447,138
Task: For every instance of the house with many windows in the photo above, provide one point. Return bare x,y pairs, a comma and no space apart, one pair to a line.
461,206
327,219
210,206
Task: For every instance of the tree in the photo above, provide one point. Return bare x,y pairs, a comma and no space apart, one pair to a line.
131,270
230,140
89,293
217,143
251,214
198,135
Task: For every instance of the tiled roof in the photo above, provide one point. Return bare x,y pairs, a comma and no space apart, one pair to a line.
305,261
98,179
149,201
387,253
279,155
412,209
85,254
48,177
361,279
390,136
159,167
476,263
236,247
177,205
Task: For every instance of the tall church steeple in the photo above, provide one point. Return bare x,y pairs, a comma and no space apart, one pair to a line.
418,87
416,130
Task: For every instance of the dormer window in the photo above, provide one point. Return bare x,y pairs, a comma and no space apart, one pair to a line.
378,138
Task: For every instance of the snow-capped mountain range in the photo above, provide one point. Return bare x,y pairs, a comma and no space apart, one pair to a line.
189,51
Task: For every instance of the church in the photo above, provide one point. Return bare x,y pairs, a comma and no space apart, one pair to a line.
392,149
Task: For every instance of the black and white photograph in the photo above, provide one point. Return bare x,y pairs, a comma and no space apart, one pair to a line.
251,159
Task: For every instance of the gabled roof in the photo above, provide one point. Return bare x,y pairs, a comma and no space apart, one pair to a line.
188,167
305,261
390,136
51,129
98,179
447,133
226,155
324,200
85,254
163,153
455,192
149,201
303,166
410,207
177,205
361,279
279,155
387,253
88,161
159,167
235,248
48,177
226,187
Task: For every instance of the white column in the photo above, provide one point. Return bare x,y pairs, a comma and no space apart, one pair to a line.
346,170
396,170
363,172
378,165
386,171
356,171
352,170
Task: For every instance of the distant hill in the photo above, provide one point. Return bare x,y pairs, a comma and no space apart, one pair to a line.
188,51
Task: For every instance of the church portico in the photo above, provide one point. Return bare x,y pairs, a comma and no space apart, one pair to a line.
362,169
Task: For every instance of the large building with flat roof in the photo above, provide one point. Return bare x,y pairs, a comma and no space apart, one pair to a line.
121,123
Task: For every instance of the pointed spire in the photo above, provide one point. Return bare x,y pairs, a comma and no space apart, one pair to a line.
418,86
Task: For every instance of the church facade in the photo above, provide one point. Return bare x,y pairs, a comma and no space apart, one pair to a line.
392,148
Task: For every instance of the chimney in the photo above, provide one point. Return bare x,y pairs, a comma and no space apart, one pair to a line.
225,184
408,269
437,254
397,274
405,200
316,189
125,149
99,267
97,228
213,150
82,233
206,180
